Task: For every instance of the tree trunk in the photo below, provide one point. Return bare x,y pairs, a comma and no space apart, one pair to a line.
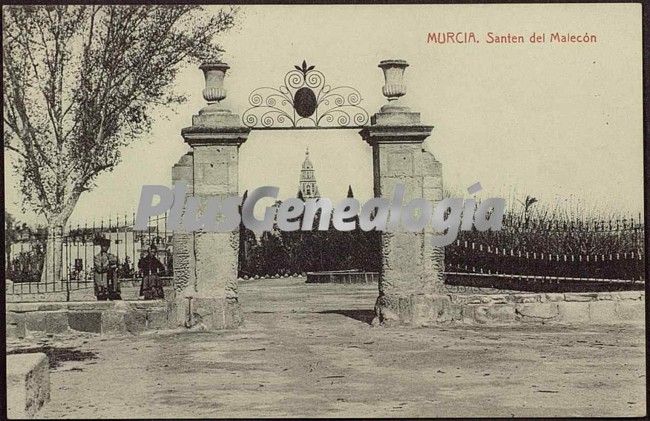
52,271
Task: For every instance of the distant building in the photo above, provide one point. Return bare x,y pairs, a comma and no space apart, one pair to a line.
308,186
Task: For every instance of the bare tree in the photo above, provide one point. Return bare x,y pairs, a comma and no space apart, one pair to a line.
81,82
11,235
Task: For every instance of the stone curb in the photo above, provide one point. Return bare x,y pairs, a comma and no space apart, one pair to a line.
28,384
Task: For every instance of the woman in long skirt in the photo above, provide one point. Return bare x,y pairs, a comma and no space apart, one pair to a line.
151,269
107,285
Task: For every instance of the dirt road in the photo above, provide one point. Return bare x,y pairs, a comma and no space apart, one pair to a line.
308,350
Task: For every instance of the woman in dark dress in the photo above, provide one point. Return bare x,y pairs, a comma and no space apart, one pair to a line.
151,269
107,286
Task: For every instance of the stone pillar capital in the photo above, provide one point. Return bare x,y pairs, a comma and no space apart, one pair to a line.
213,135
379,134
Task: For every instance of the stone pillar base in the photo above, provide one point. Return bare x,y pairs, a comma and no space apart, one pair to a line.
206,313
415,310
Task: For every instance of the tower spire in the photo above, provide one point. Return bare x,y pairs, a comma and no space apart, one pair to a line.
308,185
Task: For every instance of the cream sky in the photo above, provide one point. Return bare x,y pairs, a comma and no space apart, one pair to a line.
560,122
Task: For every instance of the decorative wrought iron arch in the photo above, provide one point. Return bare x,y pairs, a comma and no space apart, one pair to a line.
305,101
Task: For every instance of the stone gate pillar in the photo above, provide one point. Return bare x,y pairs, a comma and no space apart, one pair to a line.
215,136
183,248
411,266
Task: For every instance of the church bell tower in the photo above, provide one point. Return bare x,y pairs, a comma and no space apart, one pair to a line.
308,186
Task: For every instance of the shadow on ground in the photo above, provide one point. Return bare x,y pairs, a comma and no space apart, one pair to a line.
57,355
364,316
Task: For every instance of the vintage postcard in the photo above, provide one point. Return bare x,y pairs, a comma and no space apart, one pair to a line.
363,210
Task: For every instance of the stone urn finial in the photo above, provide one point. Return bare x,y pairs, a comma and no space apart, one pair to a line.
215,114
394,76
214,72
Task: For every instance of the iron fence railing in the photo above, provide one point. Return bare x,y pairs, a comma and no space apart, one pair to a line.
464,257
526,250
42,262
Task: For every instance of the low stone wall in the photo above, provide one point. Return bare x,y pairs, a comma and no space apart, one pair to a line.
28,384
343,277
562,308
86,316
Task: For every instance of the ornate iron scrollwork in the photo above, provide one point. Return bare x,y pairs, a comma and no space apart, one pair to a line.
305,100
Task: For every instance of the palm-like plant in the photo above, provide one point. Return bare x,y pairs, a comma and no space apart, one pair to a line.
527,204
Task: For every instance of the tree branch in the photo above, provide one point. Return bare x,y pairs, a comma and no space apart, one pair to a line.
18,151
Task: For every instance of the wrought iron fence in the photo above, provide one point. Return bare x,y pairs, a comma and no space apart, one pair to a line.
42,262
521,221
479,258
525,251
532,254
